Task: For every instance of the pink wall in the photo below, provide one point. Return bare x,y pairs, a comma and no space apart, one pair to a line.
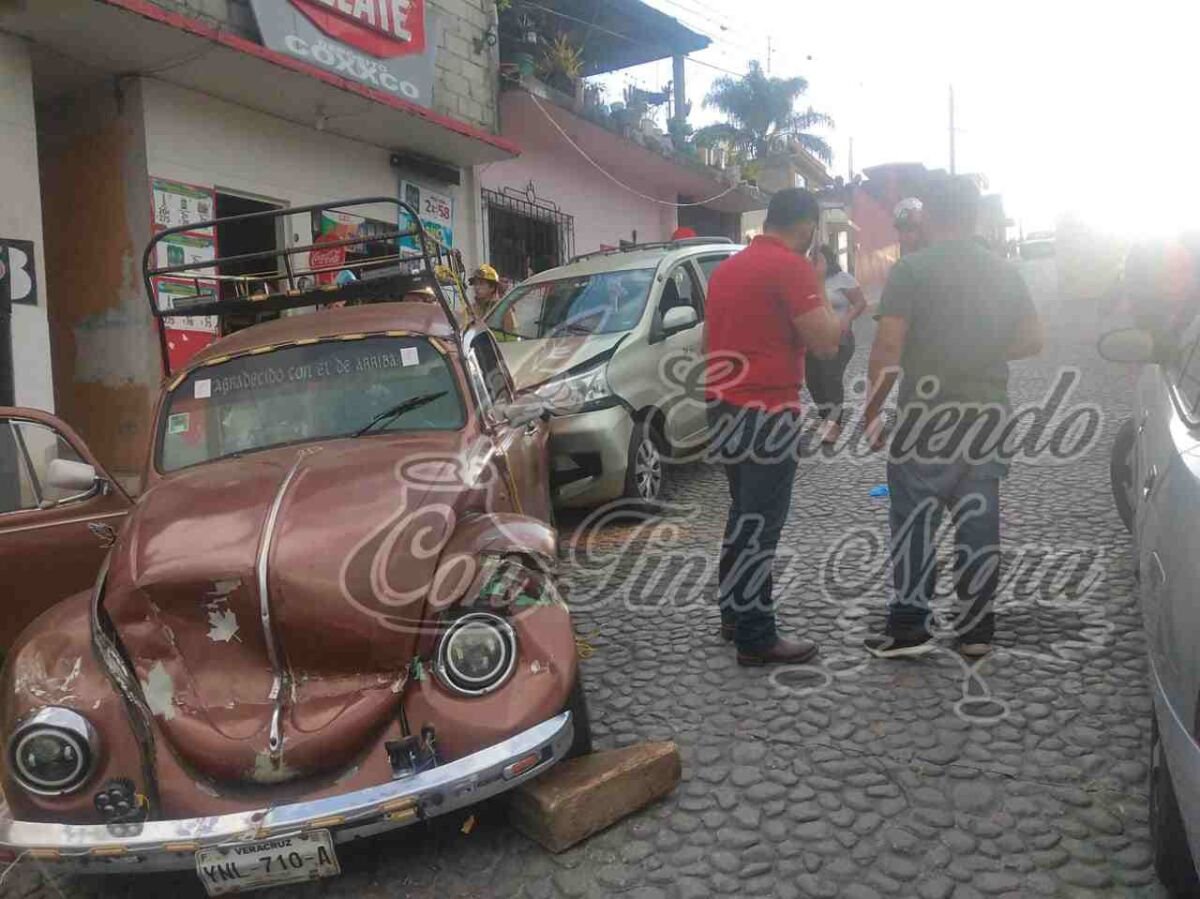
604,213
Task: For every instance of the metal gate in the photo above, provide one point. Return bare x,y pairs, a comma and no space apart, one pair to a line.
525,233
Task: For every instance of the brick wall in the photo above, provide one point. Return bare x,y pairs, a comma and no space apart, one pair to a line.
466,82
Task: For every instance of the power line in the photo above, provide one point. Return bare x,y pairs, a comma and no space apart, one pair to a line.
613,178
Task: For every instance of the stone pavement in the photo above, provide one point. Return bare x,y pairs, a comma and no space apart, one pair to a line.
1025,776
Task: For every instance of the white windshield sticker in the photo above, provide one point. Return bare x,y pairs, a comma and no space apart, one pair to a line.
204,389
409,356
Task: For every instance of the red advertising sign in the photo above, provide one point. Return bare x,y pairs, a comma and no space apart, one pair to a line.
331,258
382,28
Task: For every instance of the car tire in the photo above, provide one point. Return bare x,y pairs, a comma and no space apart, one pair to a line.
1120,471
581,743
1172,855
645,466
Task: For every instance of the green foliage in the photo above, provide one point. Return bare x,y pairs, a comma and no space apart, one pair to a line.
761,116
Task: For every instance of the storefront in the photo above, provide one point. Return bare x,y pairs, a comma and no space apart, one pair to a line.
130,117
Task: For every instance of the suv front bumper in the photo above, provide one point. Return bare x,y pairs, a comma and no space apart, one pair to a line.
172,845
589,452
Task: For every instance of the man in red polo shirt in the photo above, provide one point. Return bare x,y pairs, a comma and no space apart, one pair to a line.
765,310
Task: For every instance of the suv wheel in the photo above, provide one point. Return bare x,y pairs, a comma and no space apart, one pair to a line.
644,470
1172,855
1120,472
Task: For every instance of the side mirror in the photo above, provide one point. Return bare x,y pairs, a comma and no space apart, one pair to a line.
679,318
1128,345
523,410
76,477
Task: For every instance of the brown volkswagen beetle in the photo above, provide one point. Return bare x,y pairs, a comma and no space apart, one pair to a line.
332,611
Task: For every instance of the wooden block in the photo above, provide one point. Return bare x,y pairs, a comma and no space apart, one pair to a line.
582,796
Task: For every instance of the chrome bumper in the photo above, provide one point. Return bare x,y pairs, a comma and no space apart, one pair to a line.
171,845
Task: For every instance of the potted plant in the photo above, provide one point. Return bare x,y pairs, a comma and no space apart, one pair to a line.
524,56
561,65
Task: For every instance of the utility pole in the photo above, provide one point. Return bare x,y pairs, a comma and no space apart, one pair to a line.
770,53
680,88
952,161
850,173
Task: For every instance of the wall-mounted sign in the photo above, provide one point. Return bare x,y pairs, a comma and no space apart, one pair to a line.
388,45
18,273
177,204
436,210
382,28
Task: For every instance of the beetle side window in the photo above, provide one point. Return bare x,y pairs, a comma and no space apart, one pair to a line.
1189,380
487,357
26,451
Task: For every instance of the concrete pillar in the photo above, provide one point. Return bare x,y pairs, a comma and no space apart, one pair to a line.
21,219
680,88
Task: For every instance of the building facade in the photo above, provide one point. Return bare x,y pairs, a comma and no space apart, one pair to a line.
125,116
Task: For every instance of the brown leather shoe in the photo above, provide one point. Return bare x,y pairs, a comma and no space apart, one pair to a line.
727,631
781,652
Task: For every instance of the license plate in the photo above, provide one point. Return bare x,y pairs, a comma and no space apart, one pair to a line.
267,863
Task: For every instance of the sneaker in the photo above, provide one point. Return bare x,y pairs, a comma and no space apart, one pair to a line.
975,650
908,646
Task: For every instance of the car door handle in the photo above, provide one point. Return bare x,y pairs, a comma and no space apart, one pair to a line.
1148,483
105,533
1160,573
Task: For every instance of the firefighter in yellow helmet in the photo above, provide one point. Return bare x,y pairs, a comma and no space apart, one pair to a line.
485,283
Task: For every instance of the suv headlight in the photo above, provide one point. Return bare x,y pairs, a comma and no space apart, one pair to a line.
583,392
53,751
477,654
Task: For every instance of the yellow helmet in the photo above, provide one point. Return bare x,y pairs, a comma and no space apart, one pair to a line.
485,273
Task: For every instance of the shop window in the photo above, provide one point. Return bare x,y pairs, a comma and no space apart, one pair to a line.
526,234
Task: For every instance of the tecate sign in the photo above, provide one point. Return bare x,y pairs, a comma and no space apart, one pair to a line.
384,44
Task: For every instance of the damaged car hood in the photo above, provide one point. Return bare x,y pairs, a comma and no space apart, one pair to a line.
532,362
270,604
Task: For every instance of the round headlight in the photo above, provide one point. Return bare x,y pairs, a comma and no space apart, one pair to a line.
52,751
477,654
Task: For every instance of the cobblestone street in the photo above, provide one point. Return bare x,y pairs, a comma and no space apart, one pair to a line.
1025,776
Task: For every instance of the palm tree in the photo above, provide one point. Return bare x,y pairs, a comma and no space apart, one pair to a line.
761,117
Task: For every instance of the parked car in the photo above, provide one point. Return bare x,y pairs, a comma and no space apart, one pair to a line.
331,612
1156,482
606,342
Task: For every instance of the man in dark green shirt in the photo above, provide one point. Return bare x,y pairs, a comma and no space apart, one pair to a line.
951,318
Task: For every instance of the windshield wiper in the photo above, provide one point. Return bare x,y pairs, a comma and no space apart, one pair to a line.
389,415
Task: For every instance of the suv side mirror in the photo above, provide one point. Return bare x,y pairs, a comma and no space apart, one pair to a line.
1128,345
64,474
679,318
523,410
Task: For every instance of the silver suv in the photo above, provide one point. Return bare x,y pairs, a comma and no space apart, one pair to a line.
1156,483
612,345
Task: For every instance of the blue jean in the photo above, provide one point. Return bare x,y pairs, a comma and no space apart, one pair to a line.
921,492
761,473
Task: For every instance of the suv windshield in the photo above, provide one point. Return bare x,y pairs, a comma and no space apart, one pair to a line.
605,303
334,388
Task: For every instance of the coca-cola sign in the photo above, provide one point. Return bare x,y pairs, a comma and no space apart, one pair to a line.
388,45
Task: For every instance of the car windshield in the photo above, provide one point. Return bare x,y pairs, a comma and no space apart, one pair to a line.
334,388
606,303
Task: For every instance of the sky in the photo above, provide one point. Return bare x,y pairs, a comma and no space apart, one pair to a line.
1066,107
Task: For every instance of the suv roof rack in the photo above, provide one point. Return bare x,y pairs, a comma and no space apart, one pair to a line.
655,245
290,280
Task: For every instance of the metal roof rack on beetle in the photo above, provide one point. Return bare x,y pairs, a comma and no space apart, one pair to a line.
289,280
